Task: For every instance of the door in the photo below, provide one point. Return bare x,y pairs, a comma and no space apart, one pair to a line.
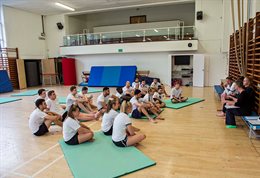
198,70
32,73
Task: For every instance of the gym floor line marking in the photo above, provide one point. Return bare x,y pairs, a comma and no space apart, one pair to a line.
48,165
28,161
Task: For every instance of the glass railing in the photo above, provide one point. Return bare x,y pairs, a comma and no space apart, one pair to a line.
145,35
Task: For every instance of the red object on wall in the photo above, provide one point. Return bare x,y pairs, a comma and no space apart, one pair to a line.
69,71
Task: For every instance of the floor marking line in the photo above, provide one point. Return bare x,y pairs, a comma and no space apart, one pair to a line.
28,161
48,165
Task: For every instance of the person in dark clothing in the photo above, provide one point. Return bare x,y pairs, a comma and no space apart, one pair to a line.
241,106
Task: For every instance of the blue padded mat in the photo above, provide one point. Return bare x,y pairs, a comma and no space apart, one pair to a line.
111,76
218,89
5,83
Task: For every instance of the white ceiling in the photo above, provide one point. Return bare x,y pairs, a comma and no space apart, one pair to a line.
48,7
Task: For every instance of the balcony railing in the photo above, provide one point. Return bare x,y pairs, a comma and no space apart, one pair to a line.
131,36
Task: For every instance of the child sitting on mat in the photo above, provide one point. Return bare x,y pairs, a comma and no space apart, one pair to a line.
109,116
41,94
127,89
141,109
158,97
123,132
176,94
88,98
39,121
135,82
75,133
73,98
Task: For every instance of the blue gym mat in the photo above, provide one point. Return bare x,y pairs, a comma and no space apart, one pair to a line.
5,83
102,158
8,100
26,93
111,76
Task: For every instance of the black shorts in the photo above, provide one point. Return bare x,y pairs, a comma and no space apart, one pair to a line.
74,140
43,129
122,143
137,114
109,132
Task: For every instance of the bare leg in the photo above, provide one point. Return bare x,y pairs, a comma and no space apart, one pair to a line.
183,99
143,110
135,129
48,123
132,140
153,110
82,107
174,101
86,117
88,136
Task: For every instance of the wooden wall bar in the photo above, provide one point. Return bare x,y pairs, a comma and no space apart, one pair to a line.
253,55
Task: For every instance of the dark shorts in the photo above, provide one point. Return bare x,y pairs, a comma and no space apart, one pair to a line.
43,129
137,114
122,143
74,140
109,132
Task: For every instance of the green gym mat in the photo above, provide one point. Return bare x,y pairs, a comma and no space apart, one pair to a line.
26,93
102,158
62,100
8,100
190,101
93,90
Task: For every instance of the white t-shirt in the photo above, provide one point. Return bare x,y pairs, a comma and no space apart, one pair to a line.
36,119
121,121
230,89
119,95
101,98
148,98
70,100
108,119
54,106
39,97
134,103
158,95
143,87
70,128
127,90
176,93
155,85
134,83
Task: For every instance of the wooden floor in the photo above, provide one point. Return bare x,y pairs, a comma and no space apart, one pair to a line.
191,142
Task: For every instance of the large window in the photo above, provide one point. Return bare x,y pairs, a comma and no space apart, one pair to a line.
2,28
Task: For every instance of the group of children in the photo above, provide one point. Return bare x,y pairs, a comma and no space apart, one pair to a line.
238,99
116,110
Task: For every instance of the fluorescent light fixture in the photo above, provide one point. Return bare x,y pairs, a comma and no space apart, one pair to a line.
155,30
165,37
64,6
149,39
137,35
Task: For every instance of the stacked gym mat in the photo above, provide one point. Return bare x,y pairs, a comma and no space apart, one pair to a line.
5,83
111,76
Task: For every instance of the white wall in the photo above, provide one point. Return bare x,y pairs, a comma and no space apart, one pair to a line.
184,12
76,24
54,36
158,63
210,35
22,31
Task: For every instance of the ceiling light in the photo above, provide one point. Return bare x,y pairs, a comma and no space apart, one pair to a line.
156,30
137,35
149,39
165,36
64,6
